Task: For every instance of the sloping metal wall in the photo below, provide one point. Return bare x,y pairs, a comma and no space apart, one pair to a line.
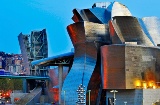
87,37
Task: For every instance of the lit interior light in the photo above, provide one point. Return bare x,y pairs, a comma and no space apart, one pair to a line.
137,83
144,85
154,87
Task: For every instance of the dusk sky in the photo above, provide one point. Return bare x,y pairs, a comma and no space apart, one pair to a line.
54,15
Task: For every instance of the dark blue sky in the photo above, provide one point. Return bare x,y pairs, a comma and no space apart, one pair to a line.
27,15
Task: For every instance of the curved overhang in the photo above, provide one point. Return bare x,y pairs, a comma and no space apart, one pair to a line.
55,60
119,9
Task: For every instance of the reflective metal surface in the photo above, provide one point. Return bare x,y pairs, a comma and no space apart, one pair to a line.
96,15
86,37
103,24
119,9
129,30
153,26
101,5
55,60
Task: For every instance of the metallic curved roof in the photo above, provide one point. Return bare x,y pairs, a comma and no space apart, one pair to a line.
55,60
119,9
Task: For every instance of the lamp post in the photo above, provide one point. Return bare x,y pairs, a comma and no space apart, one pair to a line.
89,97
125,102
114,95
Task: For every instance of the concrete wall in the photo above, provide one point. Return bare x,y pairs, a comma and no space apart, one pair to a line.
135,96
131,96
17,95
151,96
35,99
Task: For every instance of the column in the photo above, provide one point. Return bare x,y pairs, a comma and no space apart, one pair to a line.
25,85
60,76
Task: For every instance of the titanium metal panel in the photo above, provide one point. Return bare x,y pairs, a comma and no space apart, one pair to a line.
95,15
77,17
143,26
113,67
153,26
101,5
102,14
114,37
119,9
129,30
97,33
87,38
89,16
94,32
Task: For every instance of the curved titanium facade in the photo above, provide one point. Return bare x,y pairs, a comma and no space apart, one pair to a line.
129,30
113,66
86,38
153,26
113,50
119,9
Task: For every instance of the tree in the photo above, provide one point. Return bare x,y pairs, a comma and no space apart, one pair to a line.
10,84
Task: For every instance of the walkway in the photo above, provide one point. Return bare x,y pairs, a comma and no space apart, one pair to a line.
32,96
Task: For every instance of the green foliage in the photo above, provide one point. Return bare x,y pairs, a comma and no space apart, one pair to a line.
10,84
17,84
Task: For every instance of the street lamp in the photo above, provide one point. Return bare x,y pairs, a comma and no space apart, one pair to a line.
125,102
114,95
89,97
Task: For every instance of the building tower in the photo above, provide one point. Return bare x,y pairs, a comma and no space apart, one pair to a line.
25,50
34,47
